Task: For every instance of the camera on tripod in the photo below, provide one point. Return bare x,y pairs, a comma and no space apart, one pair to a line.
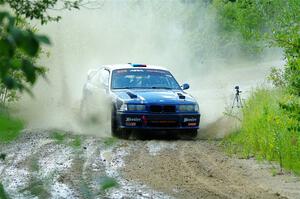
237,88
237,98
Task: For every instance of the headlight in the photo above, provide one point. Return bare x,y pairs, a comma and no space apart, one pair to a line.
123,107
133,107
188,108
136,107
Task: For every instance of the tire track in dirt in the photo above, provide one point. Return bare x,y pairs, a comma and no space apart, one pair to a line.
217,176
206,173
143,169
193,169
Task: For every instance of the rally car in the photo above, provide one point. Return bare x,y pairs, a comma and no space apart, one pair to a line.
143,97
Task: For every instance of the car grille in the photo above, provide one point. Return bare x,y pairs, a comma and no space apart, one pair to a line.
163,123
162,109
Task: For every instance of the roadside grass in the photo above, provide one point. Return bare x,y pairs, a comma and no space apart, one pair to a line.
58,136
269,130
3,194
61,137
76,143
33,164
110,141
10,128
37,188
107,183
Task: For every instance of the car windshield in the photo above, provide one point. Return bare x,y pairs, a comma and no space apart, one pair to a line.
143,78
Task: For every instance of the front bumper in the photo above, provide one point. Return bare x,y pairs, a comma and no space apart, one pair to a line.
143,121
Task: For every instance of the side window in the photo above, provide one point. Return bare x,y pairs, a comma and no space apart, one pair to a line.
104,77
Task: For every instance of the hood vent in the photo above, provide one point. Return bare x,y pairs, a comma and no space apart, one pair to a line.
180,96
131,95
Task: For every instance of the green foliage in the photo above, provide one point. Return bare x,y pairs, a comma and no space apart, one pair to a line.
3,194
33,164
37,187
290,41
76,143
39,9
107,183
58,136
242,20
10,128
20,45
18,49
262,22
270,129
110,141
277,78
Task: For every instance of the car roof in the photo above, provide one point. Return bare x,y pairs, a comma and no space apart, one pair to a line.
130,66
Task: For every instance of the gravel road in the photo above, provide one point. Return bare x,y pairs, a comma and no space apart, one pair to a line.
37,164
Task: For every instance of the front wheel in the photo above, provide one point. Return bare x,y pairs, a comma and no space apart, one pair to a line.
115,131
189,134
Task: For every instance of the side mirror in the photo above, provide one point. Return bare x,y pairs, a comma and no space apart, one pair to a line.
185,86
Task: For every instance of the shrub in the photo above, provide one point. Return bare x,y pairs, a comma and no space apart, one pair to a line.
10,128
270,129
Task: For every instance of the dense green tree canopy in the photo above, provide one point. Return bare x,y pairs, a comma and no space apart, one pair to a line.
262,23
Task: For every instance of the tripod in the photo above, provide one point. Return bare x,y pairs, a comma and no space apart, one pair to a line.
237,98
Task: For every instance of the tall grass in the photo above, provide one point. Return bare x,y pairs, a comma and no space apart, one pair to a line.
270,129
10,128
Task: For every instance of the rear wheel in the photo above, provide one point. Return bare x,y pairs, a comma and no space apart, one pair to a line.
115,131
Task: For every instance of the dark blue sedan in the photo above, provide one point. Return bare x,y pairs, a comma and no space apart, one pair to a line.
146,98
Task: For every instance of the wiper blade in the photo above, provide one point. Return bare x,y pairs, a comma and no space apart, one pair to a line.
160,87
153,87
122,88
127,87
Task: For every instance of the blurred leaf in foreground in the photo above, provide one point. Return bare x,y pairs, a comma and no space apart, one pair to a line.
107,183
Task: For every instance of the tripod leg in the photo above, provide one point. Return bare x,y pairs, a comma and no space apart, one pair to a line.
234,99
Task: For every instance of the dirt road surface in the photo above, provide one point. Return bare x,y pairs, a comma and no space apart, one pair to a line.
38,165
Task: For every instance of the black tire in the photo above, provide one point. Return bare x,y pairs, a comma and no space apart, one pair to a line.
193,134
188,135
115,131
113,122
123,134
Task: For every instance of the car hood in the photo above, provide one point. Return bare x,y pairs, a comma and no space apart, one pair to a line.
160,96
